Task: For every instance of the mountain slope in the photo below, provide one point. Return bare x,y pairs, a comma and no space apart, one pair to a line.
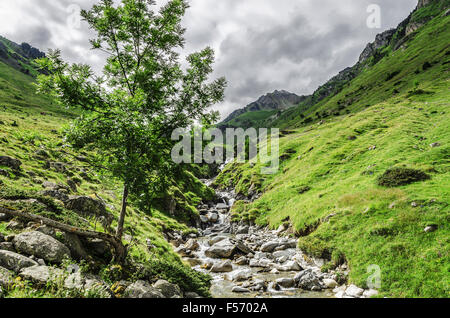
382,70
256,113
393,116
19,57
31,128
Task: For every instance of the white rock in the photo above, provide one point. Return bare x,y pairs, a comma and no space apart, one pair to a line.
370,293
330,283
354,291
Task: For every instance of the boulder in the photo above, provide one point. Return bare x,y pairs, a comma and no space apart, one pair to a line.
42,246
222,267
142,289
7,246
98,247
240,290
241,261
354,291
10,162
6,278
89,207
223,249
286,282
221,206
192,245
40,275
241,275
167,289
243,229
14,261
307,280
72,241
2,238
191,295
213,217
216,239
87,285
330,283
269,247
290,266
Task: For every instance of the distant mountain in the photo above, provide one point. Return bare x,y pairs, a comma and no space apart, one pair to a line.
20,56
263,108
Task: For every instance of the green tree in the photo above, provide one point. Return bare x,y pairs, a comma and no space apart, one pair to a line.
129,112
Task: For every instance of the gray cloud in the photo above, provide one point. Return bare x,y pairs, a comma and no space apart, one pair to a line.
261,45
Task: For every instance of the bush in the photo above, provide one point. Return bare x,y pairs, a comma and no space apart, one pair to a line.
401,176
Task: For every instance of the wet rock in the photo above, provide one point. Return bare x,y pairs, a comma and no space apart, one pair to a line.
240,290
307,280
241,275
290,266
269,246
14,261
192,245
286,282
222,206
243,229
241,247
222,267
194,261
167,289
213,217
10,162
216,239
223,249
242,261
42,246
354,291
142,289
40,275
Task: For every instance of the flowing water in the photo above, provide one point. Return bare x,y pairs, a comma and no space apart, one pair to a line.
222,284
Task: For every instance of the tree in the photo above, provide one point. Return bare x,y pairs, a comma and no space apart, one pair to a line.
129,112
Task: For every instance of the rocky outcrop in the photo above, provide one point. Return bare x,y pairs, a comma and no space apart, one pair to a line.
14,261
42,246
88,206
381,40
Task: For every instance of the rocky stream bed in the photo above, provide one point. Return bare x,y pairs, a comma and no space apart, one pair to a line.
247,261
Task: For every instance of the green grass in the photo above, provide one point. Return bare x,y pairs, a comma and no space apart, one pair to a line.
30,123
327,184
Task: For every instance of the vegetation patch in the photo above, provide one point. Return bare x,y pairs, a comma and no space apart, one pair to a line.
401,176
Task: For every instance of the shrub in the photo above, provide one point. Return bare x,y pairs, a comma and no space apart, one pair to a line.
401,176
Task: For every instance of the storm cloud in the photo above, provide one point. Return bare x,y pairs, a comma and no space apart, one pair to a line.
261,45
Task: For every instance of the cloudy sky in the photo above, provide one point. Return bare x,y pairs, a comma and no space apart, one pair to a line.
261,45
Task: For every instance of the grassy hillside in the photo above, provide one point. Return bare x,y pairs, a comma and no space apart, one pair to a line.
31,130
394,115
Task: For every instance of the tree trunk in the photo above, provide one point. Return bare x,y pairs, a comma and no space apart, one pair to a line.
123,213
120,250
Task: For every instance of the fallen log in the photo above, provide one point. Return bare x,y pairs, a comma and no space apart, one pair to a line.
119,248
